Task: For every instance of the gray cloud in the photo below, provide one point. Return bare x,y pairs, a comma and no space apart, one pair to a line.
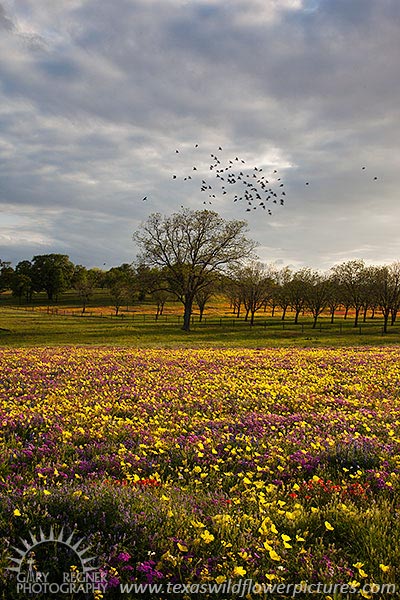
94,105
5,22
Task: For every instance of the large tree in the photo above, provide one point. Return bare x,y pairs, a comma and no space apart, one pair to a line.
52,273
191,246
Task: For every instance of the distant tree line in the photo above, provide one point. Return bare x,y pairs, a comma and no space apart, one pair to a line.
192,256
349,285
250,287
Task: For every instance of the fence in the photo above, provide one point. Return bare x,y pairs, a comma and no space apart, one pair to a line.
339,328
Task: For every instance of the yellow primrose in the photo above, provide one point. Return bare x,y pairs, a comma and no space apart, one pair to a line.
239,572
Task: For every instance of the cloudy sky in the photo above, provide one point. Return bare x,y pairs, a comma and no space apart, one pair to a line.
97,96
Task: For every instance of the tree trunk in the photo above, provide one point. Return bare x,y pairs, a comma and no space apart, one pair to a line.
273,310
385,320
252,317
345,312
394,315
356,317
296,318
247,314
332,315
365,314
284,313
201,311
187,313
315,321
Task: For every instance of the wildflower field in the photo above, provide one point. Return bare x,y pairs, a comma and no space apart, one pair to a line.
280,465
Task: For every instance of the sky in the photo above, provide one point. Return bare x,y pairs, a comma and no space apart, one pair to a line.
96,97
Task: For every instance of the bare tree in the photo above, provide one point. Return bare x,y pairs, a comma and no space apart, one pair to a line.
316,294
283,279
297,288
191,246
203,295
387,286
335,295
255,284
352,276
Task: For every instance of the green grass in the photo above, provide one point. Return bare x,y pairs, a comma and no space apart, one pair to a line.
33,328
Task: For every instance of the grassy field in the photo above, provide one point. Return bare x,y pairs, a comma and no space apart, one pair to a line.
21,327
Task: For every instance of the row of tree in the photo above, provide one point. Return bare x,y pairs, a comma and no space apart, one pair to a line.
192,255
350,285
193,250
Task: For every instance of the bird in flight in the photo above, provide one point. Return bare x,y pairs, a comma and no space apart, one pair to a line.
145,198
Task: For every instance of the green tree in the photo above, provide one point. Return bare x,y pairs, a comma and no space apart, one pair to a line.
52,273
121,283
84,282
23,280
6,275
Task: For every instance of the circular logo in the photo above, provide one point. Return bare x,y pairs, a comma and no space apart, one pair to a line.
46,564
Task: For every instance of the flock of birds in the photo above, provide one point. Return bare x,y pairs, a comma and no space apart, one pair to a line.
234,179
